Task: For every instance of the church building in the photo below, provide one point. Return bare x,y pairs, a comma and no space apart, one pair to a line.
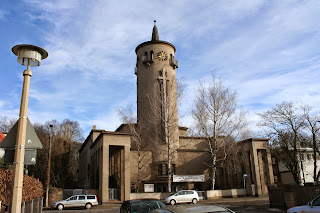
136,157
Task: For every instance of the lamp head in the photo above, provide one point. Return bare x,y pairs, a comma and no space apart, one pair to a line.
26,51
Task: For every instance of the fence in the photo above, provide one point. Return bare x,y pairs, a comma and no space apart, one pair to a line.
32,206
306,194
289,196
276,197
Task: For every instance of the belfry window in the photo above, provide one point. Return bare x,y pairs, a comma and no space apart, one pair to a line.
146,60
173,62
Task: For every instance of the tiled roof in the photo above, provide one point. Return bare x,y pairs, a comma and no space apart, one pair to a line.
1,136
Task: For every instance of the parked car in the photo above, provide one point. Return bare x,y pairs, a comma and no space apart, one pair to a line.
183,196
201,208
313,206
141,206
86,201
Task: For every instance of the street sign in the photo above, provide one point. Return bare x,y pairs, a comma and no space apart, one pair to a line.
187,178
30,156
32,143
148,187
32,139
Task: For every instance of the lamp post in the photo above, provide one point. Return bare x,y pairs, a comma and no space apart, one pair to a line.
49,167
245,176
30,56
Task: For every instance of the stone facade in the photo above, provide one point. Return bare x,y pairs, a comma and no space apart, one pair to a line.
136,155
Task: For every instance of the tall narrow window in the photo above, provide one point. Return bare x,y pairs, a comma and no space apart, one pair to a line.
162,87
160,171
173,169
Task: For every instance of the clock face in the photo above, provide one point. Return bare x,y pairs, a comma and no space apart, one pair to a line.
162,56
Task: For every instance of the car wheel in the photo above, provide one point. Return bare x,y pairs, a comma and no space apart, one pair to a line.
88,206
194,201
60,207
172,202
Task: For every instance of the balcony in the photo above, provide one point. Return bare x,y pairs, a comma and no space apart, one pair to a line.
174,63
146,60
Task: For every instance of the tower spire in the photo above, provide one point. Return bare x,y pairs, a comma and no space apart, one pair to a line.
155,34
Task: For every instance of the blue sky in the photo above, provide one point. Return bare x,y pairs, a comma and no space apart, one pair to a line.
266,50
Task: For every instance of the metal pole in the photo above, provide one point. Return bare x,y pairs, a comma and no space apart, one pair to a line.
244,191
31,211
41,205
23,207
49,167
18,164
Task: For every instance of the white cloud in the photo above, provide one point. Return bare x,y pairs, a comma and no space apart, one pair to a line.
3,15
266,50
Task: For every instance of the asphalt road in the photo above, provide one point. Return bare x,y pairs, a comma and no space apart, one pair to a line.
239,205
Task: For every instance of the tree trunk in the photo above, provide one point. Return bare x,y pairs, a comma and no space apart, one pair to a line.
169,167
314,146
139,162
295,160
214,172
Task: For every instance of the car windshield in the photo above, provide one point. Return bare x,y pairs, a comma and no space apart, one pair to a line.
72,198
146,206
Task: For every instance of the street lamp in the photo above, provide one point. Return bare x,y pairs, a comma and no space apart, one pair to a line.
49,167
30,56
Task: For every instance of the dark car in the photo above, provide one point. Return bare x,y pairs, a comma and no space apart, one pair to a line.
141,206
194,209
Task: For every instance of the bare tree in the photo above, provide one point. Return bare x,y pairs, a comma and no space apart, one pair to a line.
127,116
219,118
161,122
6,124
66,136
65,150
65,140
311,124
284,122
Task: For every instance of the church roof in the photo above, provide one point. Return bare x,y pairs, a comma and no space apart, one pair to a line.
154,39
155,34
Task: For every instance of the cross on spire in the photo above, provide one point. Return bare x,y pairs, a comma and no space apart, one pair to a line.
155,34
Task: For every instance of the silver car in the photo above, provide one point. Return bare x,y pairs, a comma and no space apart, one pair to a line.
86,201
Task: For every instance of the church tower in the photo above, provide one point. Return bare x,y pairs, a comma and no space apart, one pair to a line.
157,97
